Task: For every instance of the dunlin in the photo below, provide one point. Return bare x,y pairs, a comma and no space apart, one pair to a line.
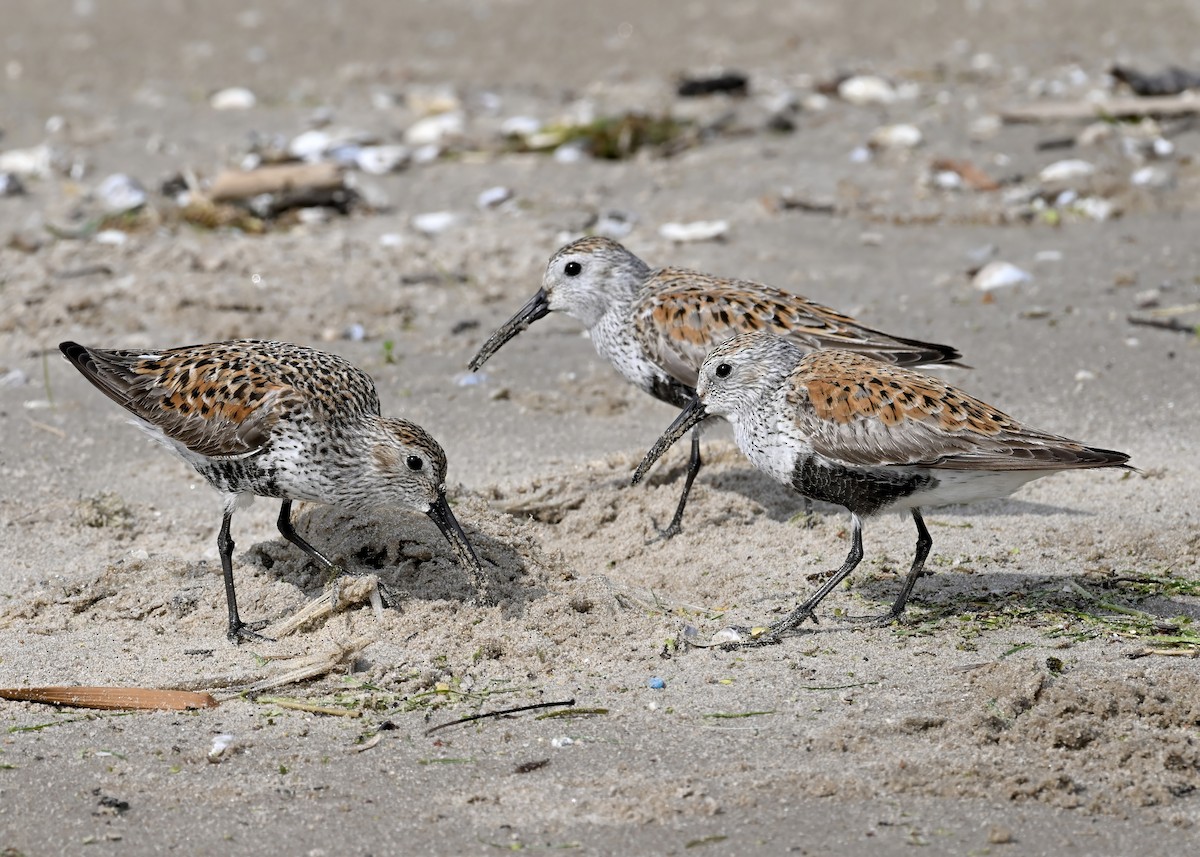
271,419
656,327
846,429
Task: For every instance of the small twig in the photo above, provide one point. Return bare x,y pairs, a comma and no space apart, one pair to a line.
499,713
1165,324
1166,653
300,705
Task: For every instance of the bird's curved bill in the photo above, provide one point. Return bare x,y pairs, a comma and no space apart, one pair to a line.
694,414
538,307
441,515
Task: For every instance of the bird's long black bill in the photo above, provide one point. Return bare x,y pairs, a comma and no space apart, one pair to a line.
538,307
694,414
448,524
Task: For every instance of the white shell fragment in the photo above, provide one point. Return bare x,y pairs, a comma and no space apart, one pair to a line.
896,137
381,160
865,89
699,230
35,162
494,196
999,275
120,193
233,98
220,745
1062,172
434,222
435,130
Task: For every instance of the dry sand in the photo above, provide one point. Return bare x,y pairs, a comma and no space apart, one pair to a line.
1001,717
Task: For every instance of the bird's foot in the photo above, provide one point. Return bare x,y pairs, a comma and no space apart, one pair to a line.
878,620
247,632
672,530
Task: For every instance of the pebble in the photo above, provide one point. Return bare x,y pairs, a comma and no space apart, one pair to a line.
520,126
10,185
494,196
1151,177
1000,836
233,98
355,333
999,275
120,193
471,379
656,683
698,230
866,89
111,237
391,239
381,160
860,155
1071,169
570,153
896,137
985,127
434,222
1095,208
563,741
615,224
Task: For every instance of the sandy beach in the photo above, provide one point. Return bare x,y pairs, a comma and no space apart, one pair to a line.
1040,696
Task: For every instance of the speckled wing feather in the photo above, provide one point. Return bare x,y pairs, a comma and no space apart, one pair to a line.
222,400
681,315
863,412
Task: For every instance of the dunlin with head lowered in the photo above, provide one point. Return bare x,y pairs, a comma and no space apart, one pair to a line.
656,327
846,429
271,419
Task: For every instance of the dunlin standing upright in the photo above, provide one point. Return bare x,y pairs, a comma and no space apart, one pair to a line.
846,429
278,420
656,327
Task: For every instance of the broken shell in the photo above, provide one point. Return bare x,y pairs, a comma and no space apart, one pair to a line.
866,89
233,98
381,160
435,130
999,275
896,137
1069,170
434,222
699,230
120,193
494,196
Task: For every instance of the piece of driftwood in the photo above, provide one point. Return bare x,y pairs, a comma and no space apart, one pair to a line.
233,185
1115,108
110,698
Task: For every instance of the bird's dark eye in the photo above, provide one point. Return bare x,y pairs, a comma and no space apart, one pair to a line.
723,370
573,269
414,462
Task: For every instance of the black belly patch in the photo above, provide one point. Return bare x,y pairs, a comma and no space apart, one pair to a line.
861,491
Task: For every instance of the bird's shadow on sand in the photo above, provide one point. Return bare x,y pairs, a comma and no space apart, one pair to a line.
408,553
996,597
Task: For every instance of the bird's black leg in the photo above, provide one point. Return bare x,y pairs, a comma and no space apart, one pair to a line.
289,532
924,543
805,611
675,527
238,630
